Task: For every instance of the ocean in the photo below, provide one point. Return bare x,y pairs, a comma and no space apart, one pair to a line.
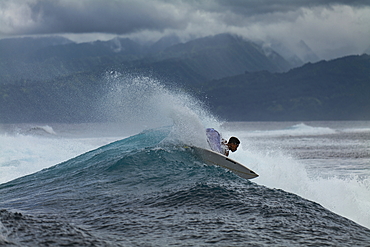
133,182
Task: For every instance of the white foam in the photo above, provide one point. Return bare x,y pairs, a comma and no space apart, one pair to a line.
295,130
46,128
348,196
21,155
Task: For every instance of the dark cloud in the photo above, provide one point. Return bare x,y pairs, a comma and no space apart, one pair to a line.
262,7
268,6
120,17
322,24
127,16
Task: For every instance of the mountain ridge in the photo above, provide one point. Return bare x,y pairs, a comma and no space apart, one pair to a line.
66,91
326,90
212,57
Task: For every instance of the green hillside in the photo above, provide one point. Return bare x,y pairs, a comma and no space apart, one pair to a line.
333,90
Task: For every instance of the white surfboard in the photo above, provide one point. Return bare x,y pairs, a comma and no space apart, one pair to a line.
213,158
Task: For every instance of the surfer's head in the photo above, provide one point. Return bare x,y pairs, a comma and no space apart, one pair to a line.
233,144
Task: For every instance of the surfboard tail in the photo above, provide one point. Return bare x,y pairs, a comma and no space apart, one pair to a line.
213,158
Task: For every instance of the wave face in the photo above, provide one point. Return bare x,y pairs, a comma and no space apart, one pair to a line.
146,190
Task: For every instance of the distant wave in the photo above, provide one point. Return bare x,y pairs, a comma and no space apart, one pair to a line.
40,130
300,129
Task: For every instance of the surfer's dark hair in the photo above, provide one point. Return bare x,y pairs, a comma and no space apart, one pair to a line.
234,140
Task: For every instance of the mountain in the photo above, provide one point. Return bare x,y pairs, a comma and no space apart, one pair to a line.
327,90
289,55
213,57
306,53
67,99
61,81
224,55
123,47
38,59
164,43
16,53
296,54
15,48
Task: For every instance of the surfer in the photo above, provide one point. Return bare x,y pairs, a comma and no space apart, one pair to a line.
219,144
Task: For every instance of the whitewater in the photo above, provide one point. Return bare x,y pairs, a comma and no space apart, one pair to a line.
130,182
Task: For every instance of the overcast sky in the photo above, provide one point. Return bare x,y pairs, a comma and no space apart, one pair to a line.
331,28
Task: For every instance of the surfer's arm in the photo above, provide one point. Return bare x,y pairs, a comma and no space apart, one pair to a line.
224,148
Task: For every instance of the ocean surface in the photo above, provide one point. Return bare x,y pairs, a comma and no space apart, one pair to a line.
74,185
133,182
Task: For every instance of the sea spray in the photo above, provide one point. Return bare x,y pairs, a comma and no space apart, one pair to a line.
133,101
144,102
